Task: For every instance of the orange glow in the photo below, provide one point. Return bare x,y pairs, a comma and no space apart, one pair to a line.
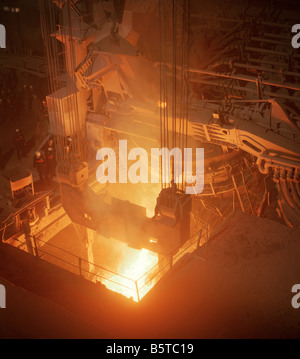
128,265
162,104
134,266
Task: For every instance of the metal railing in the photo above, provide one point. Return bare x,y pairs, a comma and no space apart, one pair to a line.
14,219
135,288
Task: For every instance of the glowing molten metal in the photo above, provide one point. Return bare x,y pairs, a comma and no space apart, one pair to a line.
136,271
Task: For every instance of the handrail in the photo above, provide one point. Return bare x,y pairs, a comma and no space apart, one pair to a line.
34,202
83,260
136,287
21,210
173,258
3,229
81,269
8,218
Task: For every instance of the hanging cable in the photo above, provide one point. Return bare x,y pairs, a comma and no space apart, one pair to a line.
174,130
61,60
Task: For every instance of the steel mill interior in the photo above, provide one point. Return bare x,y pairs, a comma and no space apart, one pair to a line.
150,168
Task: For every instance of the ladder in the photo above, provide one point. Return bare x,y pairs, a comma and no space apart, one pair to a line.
242,193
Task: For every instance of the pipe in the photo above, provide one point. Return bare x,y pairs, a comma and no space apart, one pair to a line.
266,69
242,78
298,188
263,167
282,163
290,217
294,193
286,192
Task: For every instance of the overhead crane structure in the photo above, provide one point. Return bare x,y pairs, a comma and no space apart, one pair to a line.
238,98
226,81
